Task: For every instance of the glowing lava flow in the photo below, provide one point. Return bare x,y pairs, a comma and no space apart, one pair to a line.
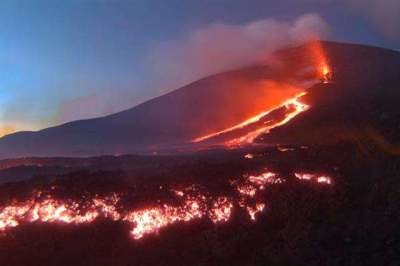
292,108
314,177
42,208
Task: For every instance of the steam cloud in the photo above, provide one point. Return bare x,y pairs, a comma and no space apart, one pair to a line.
206,51
220,47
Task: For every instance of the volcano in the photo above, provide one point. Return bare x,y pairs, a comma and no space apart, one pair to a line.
359,103
297,158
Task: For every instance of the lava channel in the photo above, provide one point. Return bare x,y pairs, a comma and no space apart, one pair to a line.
247,131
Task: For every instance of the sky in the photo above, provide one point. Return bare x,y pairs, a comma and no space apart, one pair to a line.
75,59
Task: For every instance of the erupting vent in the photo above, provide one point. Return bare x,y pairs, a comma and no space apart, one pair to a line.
249,130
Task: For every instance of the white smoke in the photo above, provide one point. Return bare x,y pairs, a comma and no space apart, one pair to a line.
219,47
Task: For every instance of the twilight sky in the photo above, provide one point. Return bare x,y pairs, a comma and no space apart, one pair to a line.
71,59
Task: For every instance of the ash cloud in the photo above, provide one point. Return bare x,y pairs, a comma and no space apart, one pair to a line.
220,47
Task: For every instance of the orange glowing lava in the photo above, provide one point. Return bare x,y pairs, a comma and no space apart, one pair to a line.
42,208
254,211
314,177
249,156
326,74
320,60
292,107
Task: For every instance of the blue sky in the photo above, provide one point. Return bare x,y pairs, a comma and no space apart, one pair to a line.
65,60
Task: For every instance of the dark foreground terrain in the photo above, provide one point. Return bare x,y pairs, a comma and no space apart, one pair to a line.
352,221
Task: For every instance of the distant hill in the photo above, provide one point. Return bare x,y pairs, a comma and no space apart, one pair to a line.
364,95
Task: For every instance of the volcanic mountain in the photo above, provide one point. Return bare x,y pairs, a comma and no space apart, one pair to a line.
358,102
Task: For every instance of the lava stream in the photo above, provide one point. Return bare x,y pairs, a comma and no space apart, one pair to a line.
292,108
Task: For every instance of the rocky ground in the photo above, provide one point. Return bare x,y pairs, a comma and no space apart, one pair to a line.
352,221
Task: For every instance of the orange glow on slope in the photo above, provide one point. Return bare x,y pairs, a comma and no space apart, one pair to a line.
292,107
249,121
319,59
148,220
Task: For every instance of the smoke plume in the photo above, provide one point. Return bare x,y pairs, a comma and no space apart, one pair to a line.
220,47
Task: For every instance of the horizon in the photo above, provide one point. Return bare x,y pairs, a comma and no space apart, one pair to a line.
56,74
191,82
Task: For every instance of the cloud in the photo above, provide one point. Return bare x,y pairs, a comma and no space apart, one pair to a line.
384,14
219,47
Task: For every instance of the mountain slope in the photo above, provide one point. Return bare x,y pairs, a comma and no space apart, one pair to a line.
361,105
223,100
